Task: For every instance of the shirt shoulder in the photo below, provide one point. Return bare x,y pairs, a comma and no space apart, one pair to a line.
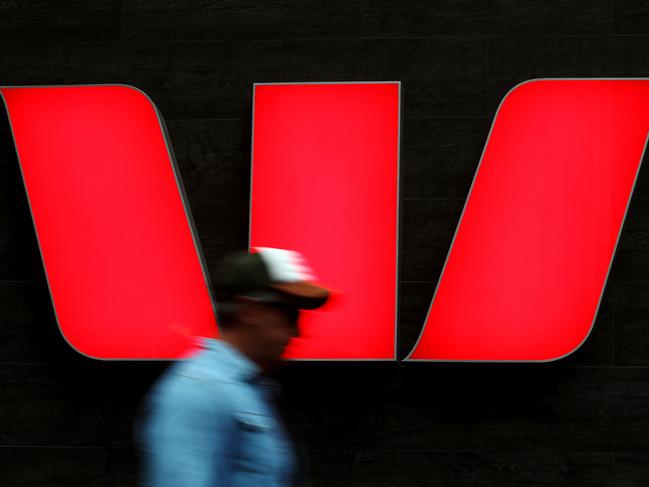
213,374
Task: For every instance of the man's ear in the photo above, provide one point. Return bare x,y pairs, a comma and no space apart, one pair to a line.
249,311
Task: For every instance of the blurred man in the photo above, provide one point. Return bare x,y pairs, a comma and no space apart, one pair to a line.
212,419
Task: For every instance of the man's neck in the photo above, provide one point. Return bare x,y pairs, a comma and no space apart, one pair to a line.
243,345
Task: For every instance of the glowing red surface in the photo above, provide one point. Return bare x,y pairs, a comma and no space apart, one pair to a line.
124,273
530,258
522,281
325,172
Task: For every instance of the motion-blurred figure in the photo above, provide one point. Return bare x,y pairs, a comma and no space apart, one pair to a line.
212,420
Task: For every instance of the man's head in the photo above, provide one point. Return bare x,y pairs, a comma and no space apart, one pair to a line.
259,296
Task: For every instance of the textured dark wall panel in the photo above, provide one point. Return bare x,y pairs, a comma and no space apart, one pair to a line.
68,420
78,20
55,466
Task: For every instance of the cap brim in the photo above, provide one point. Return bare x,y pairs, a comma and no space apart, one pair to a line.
304,295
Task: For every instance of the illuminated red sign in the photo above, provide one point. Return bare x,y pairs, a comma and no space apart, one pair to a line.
523,278
528,263
120,258
324,182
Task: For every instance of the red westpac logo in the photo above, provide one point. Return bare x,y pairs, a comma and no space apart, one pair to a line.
522,281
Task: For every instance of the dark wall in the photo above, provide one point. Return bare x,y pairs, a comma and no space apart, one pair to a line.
584,420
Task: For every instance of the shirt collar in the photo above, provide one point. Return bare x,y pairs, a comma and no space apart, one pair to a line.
239,365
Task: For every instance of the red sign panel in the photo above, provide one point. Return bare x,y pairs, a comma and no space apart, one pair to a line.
529,261
325,182
120,258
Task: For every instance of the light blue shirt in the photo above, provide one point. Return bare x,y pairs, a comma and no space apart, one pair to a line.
212,421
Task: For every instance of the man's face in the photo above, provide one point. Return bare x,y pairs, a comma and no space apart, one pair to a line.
274,324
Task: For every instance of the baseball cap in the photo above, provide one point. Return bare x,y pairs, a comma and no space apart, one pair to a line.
271,275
